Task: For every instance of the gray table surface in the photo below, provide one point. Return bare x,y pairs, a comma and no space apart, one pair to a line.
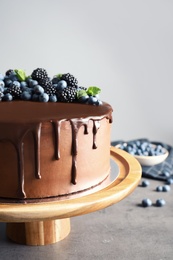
123,231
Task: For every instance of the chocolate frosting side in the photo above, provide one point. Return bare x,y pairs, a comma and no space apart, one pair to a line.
17,118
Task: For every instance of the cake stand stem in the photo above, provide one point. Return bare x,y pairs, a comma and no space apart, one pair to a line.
38,233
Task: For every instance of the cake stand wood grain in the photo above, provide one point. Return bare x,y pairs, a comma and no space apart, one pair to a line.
49,222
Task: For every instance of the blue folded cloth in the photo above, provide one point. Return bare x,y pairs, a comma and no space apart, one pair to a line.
162,171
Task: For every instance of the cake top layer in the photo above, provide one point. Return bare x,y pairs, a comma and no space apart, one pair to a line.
38,98
21,111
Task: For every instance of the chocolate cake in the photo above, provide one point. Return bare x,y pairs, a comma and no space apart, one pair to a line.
51,150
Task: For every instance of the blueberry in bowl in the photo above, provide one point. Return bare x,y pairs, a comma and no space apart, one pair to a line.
147,153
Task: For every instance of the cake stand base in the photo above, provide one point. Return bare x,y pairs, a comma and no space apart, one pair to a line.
49,222
38,232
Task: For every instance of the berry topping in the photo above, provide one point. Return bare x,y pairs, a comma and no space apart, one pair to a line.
39,87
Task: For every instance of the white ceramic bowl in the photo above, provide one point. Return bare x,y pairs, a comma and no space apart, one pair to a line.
150,160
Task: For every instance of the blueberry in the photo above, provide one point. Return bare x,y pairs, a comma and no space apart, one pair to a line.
1,89
29,90
160,202
169,181
1,96
32,83
38,89
8,97
166,188
159,188
2,84
138,152
159,149
146,202
23,84
146,153
129,148
44,97
100,103
61,85
165,173
92,100
55,80
145,183
26,95
83,99
16,83
7,81
53,98
13,77
35,97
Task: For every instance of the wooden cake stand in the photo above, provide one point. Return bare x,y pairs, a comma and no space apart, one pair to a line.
49,222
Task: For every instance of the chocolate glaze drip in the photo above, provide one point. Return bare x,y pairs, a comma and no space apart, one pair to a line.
96,126
57,125
37,135
15,134
75,125
15,128
19,150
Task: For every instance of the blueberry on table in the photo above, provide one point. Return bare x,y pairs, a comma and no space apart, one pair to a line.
145,183
166,188
160,202
169,181
159,188
146,202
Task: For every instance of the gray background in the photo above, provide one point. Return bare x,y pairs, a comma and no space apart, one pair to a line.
124,47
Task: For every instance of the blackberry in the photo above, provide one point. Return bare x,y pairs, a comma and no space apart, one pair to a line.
70,79
68,94
39,74
50,90
15,91
45,83
9,72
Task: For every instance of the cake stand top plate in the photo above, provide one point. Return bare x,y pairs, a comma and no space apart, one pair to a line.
127,180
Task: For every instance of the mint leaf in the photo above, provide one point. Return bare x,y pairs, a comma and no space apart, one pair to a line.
81,93
93,91
58,76
21,75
